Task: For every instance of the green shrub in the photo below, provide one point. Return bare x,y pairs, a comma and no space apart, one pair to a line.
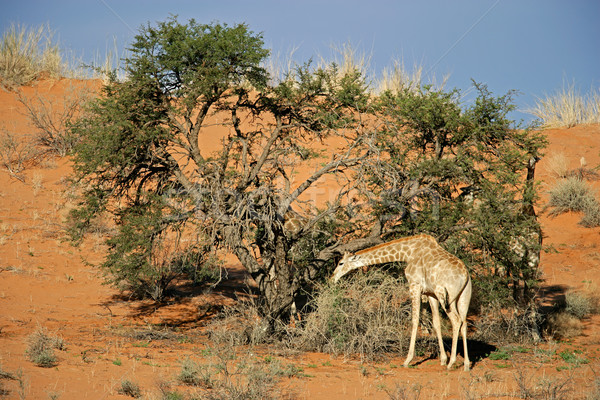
580,304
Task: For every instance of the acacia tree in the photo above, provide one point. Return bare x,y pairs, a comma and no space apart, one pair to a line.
141,159
400,160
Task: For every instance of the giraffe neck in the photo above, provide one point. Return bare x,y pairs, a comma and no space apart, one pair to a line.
403,249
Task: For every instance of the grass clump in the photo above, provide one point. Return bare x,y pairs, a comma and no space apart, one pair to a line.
194,374
130,388
41,346
226,373
580,305
28,54
568,107
570,194
574,194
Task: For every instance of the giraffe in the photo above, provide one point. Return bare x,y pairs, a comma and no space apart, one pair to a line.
431,273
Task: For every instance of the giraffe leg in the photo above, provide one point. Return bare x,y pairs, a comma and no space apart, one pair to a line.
415,295
435,316
456,327
463,308
464,336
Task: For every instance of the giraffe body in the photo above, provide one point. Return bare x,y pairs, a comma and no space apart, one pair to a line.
431,272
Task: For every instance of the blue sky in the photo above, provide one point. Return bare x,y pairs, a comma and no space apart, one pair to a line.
533,46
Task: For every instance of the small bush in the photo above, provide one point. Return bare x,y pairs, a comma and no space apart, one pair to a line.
41,347
508,324
51,116
591,215
15,152
563,325
571,194
194,374
365,315
239,325
578,304
129,388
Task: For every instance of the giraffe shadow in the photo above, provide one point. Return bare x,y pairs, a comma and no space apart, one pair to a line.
478,351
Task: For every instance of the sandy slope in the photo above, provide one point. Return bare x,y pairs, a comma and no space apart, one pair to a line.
45,282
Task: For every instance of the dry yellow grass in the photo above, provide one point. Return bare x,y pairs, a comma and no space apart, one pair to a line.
568,107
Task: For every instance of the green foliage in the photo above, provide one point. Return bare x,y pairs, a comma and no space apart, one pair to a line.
465,175
140,160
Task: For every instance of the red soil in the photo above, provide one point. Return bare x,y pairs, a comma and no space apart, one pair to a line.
45,282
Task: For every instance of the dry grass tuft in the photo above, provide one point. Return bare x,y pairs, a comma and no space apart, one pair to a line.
28,54
558,165
568,107
574,194
239,325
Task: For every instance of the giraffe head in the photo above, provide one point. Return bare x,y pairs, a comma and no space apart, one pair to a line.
348,263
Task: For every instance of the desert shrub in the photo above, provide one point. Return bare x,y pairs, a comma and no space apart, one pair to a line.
194,374
503,324
26,54
571,194
239,325
575,194
51,115
41,346
365,315
544,388
579,304
16,152
563,325
130,388
591,214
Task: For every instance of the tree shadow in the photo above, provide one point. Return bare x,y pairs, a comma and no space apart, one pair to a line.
551,297
192,304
